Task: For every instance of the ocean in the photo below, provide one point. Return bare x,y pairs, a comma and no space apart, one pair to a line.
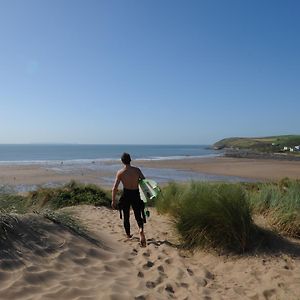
105,159
29,153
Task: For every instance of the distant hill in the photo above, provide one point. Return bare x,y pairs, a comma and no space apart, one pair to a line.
264,144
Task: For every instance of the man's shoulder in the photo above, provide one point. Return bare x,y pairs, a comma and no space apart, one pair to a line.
136,168
120,172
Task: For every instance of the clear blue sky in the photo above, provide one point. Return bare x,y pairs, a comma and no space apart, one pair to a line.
143,72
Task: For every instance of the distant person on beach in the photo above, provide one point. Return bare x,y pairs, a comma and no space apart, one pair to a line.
130,177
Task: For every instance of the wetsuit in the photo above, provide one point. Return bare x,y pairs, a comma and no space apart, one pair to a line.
132,198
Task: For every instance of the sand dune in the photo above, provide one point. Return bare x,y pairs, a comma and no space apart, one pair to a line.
47,261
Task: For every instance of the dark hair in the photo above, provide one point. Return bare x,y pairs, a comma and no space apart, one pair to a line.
126,159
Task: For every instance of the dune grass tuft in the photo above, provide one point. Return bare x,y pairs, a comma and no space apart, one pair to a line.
280,203
12,203
7,223
73,193
210,215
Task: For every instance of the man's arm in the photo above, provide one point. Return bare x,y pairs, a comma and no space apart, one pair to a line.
115,190
141,175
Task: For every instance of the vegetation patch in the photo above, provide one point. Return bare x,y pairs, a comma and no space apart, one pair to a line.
7,224
280,204
12,203
73,193
263,144
210,215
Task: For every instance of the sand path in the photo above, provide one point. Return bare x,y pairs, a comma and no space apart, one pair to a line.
50,262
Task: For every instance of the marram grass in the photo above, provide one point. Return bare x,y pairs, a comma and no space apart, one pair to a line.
280,204
73,193
7,224
210,215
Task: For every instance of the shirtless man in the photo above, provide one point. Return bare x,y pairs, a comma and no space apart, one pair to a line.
130,176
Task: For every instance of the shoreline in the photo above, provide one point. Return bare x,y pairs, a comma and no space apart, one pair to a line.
246,153
257,169
206,169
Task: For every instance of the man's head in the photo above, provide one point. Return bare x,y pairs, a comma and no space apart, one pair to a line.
125,158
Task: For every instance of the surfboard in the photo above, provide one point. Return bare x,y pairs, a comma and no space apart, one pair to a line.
148,190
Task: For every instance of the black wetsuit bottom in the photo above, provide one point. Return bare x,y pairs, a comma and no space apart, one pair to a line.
132,198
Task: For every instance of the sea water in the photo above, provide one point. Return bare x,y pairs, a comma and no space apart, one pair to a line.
23,154
72,159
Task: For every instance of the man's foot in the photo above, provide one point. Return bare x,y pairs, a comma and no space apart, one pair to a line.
129,236
143,242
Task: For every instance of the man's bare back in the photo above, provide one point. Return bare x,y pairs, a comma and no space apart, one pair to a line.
129,176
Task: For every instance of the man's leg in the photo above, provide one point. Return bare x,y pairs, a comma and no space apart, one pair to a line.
138,217
126,214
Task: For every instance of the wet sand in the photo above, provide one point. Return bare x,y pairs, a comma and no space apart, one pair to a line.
260,169
257,169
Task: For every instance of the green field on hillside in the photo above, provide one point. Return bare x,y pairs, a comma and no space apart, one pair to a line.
272,143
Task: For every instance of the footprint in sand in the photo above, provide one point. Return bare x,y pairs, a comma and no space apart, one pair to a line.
190,272
201,282
150,284
161,269
169,289
134,252
147,253
140,274
169,261
183,284
269,293
148,265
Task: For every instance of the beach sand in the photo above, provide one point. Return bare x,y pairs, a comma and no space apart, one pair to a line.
255,169
43,260
260,169
50,262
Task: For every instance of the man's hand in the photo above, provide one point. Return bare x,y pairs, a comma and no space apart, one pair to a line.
113,204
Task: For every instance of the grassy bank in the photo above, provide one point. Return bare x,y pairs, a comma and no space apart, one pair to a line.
206,215
264,144
210,215
73,193
47,201
280,204
220,216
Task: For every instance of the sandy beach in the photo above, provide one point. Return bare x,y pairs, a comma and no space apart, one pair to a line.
267,169
48,261
254,169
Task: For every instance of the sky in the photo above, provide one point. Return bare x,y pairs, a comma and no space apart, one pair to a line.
148,71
